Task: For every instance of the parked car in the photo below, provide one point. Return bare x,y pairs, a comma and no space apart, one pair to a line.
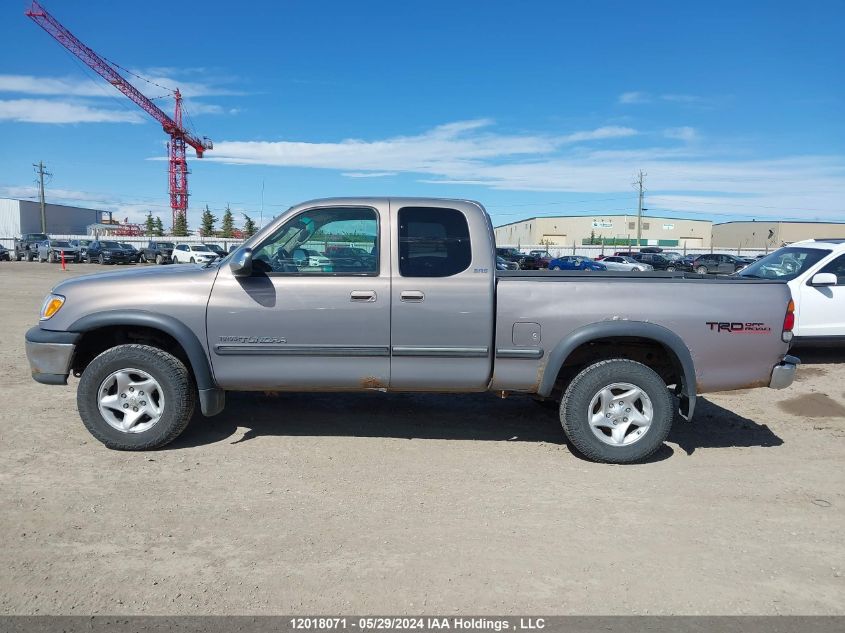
575,262
26,246
52,250
625,263
107,252
651,249
350,258
193,254
4,254
657,261
541,258
131,249
157,251
81,247
432,315
503,264
713,263
814,270
307,257
509,254
217,250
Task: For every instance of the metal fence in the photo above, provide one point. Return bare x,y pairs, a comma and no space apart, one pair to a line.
139,241
596,250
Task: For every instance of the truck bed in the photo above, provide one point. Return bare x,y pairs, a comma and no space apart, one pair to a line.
690,305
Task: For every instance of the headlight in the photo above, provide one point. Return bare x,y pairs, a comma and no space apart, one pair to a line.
52,304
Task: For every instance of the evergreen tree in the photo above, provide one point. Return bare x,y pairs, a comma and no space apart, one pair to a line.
227,226
158,230
249,226
149,224
207,222
180,225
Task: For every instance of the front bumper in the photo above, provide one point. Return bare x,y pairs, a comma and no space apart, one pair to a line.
784,372
50,354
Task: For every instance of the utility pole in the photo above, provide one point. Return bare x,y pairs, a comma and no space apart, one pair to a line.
41,174
639,184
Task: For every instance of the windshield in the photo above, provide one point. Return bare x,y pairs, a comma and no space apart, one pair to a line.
784,264
59,243
165,244
200,247
127,245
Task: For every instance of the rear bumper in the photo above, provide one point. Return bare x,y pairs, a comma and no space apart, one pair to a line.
50,354
784,372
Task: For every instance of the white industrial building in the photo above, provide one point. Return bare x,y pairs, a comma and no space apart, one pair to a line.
24,216
608,229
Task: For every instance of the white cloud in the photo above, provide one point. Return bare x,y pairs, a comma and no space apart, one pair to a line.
368,174
685,133
611,131
470,153
634,97
49,111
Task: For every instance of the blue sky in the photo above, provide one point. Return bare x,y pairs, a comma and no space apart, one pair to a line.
733,109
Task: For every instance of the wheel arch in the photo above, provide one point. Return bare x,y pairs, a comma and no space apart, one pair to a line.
211,397
635,332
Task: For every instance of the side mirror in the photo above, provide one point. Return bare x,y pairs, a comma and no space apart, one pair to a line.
241,264
823,279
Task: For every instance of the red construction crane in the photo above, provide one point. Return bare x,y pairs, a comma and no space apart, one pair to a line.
179,136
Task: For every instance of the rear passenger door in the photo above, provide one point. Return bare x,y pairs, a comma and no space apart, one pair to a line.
442,299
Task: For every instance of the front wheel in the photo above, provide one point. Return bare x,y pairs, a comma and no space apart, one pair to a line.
193,261
135,397
102,260
670,269
159,259
617,411
701,270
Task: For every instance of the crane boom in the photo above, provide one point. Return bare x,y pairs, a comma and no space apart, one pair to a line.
179,136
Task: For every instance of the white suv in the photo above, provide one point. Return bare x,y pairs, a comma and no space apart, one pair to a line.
814,270
193,254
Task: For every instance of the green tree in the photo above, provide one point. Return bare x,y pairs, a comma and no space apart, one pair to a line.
180,225
158,230
227,226
207,222
249,226
149,224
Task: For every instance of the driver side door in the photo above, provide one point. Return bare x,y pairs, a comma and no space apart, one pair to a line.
315,313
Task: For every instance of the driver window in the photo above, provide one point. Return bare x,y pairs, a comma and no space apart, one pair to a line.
327,241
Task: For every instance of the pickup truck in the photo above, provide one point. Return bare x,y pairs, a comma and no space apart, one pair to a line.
26,246
158,252
425,311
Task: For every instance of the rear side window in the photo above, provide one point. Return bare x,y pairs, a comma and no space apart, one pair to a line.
433,242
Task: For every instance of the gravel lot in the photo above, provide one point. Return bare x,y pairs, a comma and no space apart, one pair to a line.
415,504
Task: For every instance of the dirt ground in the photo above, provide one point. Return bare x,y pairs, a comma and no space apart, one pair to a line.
416,504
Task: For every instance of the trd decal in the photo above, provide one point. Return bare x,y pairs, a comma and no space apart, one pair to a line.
737,327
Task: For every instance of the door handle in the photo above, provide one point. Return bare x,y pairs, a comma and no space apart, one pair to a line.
413,296
363,296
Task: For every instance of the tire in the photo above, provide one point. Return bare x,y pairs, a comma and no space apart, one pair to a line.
101,260
142,259
670,269
51,257
701,270
193,261
29,256
583,395
556,268
174,385
159,259
18,257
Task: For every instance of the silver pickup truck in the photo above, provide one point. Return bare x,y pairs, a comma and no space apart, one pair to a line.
395,294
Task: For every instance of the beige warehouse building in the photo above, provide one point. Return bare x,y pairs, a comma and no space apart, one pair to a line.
605,229
769,235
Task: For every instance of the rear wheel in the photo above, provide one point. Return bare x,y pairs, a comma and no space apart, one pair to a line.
135,397
670,269
142,259
51,257
617,411
555,267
